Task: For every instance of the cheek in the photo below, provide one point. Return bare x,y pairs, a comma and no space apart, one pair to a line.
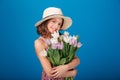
49,28
58,28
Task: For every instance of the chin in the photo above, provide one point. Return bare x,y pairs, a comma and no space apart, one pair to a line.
51,32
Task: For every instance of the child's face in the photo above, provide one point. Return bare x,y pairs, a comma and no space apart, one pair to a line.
54,24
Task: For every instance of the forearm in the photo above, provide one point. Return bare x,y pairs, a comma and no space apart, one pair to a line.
71,73
75,62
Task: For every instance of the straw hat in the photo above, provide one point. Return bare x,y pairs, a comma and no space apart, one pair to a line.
52,12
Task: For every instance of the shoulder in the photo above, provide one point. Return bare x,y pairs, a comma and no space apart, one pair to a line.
39,43
40,47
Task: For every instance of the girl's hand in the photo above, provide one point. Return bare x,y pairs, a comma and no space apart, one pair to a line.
70,73
57,72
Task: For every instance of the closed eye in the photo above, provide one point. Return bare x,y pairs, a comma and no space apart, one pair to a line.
59,24
53,21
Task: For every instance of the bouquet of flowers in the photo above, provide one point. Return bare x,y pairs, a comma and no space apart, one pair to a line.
62,49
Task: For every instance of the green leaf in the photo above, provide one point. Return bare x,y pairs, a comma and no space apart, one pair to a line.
64,49
62,61
61,53
68,50
68,78
70,57
71,49
51,60
50,52
56,57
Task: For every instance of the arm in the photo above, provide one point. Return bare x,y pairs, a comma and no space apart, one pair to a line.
70,73
39,46
64,69
74,63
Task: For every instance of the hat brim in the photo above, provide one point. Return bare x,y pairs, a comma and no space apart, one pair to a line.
67,21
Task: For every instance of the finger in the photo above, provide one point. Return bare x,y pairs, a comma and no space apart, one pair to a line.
54,68
58,76
53,71
55,74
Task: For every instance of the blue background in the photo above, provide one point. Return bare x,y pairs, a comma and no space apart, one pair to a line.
97,22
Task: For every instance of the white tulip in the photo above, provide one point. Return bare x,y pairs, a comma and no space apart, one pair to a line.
74,37
43,53
66,33
55,34
53,40
66,39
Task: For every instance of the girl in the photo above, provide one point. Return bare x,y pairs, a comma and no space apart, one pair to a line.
53,20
